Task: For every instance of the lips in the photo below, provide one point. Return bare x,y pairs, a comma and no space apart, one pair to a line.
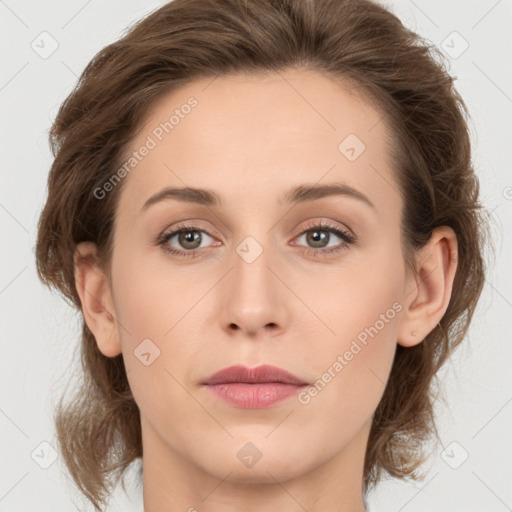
253,388
261,374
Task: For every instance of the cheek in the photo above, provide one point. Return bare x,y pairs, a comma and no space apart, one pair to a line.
352,367
156,309
145,304
151,312
362,309
364,292
365,330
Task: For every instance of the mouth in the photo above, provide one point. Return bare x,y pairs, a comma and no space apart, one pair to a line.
254,388
263,374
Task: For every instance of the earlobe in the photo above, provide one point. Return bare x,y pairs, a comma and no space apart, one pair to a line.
96,298
430,287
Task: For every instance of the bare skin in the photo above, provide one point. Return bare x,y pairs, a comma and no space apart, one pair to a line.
251,139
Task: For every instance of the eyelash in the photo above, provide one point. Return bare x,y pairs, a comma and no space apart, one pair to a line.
348,239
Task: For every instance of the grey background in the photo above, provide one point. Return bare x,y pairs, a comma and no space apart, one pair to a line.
40,332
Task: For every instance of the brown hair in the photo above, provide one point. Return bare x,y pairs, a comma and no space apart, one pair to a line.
355,40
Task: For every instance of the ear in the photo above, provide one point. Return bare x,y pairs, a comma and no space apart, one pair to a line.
96,298
430,287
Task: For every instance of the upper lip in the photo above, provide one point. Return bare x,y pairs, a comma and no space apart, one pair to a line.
263,373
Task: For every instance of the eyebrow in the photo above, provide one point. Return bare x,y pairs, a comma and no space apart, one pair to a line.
299,194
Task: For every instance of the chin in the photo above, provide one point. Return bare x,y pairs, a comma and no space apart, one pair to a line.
258,462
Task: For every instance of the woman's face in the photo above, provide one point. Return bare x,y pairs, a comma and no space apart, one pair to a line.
253,282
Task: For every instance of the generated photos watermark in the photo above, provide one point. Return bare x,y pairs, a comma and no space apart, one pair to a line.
358,343
157,135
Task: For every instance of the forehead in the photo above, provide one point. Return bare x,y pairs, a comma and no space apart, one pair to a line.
260,134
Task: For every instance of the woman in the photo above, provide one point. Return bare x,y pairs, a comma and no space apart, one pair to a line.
267,214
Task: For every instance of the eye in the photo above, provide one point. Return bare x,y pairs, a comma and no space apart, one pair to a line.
319,235
190,237
187,236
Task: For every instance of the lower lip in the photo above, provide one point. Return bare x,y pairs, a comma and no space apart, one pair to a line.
254,396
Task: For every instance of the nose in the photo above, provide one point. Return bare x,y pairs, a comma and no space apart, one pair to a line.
253,297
